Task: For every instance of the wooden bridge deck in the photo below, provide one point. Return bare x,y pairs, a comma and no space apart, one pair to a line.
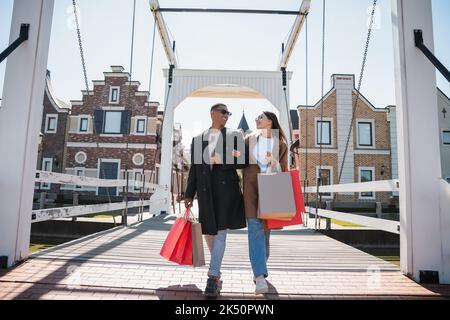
124,263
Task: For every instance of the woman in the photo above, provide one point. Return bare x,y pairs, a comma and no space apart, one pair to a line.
266,150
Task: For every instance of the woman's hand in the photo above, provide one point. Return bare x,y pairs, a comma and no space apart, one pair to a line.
235,153
271,161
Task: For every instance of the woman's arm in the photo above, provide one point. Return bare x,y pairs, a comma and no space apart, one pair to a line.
284,156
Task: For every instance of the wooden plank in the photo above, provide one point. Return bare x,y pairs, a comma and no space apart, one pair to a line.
140,244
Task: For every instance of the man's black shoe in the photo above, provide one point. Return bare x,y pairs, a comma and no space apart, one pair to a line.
213,287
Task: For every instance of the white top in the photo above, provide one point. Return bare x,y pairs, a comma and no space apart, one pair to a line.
260,150
213,138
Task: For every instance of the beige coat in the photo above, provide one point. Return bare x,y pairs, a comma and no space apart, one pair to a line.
250,173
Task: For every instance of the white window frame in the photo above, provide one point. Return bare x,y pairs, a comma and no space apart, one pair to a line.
361,197
136,121
316,130
331,179
104,124
135,171
83,170
46,186
110,95
442,136
372,121
47,117
98,171
88,118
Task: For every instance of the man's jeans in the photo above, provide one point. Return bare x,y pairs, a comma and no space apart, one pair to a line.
259,248
216,246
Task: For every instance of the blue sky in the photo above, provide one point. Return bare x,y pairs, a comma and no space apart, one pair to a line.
219,41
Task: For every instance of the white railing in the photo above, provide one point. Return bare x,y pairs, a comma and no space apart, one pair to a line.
69,179
80,210
373,186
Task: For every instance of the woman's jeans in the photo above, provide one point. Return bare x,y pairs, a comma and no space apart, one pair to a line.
216,246
259,247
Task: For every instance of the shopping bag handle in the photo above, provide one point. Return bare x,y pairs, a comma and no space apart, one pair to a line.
189,215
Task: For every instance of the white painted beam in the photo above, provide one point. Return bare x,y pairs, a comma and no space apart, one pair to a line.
372,186
418,145
375,223
69,179
20,122
162,30
293,36
67,212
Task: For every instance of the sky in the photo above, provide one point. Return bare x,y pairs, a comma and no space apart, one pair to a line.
227,41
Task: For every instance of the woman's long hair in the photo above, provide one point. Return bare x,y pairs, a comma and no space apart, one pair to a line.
276,124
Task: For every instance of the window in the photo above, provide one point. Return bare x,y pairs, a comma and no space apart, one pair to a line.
114,94
140,126
137,179
84,122
325,128
113,120
446,137
327,179
79,173
47,164
138,159
365,134
447,179
51,121
366,175
80,157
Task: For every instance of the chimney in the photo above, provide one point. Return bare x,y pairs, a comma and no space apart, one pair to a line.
117,69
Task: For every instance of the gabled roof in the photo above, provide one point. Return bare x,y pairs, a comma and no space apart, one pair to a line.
294,119
333,89
243,125
59,105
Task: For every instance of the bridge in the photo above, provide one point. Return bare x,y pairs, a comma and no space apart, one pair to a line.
124,262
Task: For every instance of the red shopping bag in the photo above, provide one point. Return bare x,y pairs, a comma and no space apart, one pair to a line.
178,245
299,205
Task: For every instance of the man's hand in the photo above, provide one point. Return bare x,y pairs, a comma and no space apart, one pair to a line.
188,202
236,153
216,159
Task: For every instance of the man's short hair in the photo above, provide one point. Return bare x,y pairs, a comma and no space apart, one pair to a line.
217,105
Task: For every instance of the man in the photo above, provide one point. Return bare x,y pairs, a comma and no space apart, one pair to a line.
214,179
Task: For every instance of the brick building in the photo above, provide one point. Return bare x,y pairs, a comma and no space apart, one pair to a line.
112,130
369,155
54,129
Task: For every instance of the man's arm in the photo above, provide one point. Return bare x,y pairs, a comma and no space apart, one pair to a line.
235,142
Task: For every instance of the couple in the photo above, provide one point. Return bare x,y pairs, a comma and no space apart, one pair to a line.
215,156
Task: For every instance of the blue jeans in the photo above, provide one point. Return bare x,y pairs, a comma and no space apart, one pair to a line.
216,245
259,247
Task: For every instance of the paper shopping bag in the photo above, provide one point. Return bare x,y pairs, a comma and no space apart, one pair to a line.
276,197
198,254
299,205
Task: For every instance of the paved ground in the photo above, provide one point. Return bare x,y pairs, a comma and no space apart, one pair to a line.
124,263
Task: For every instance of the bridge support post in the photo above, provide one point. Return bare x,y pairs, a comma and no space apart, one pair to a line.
21,115
421,250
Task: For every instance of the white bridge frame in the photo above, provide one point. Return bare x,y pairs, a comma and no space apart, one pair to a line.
424,196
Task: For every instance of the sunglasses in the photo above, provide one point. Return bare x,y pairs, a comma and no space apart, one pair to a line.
224,112
259,118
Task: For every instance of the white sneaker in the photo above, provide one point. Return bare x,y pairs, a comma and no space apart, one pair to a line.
261,286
